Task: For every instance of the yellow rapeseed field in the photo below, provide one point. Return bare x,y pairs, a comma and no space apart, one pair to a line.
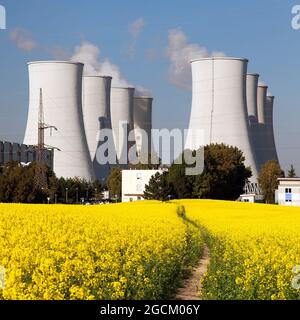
254,248
140,250
122,251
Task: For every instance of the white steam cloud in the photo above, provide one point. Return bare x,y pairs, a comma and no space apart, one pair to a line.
89,54
23,39
136,27
180,53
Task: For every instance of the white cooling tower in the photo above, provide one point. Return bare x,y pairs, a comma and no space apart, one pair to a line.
251,90
261,145
261,102
61,84
271,146
219,105
142,118
251,94
121,110
96,116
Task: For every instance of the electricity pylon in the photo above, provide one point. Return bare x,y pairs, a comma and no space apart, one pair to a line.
41,167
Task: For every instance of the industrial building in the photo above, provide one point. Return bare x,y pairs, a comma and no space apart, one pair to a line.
288,192
134,182
22,153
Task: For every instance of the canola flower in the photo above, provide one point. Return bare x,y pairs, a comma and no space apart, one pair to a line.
254,249
121,251
141,250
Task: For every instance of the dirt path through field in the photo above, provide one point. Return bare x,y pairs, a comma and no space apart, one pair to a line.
191,286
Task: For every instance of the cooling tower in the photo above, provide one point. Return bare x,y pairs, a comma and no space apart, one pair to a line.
251,94
261,145
96,116
271,146
142,118
252,83
219,105
61,84
121,110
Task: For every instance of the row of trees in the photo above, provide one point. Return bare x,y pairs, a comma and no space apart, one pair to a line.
223,177
17,184
216,182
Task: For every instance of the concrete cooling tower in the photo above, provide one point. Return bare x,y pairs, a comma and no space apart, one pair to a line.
271,146
61,84
261,143
121,110
252,83
251,94
142,118
219,105
96,116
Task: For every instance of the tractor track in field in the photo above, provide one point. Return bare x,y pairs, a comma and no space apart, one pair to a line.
191,288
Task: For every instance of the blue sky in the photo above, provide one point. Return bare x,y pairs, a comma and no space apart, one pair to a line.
258,30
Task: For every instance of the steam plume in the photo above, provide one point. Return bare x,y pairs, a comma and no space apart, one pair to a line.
180,53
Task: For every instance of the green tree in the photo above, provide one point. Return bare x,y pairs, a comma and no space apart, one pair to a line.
114,183
268,179
224,175
159,187
292,172
183,184
17,184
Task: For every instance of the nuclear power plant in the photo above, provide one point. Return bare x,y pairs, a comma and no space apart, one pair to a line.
228,105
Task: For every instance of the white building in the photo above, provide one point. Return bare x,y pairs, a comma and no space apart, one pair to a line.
288,192
251,197
134,182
